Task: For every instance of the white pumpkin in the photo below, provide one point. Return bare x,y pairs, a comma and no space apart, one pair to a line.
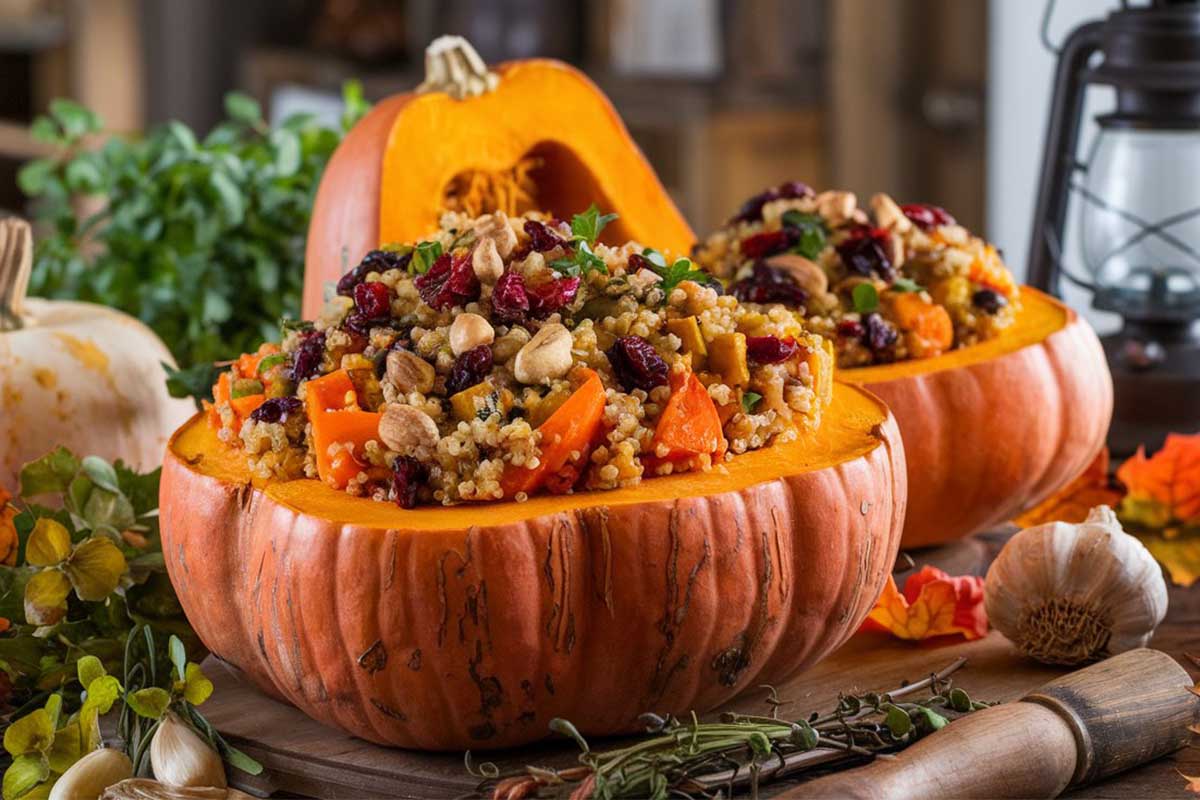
76,374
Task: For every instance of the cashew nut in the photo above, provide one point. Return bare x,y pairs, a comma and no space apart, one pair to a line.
808,276
544,357
408,372
408,430
889,215
468,331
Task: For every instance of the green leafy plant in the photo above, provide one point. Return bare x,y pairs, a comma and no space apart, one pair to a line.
585,230
200,238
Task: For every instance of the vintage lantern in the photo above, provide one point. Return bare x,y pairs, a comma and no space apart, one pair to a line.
1138,199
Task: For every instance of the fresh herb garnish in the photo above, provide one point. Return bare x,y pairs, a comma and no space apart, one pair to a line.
906,285
423,257
677,273
273,360
586,227
866,298
580,261
654,257
749,401
811,228
195,381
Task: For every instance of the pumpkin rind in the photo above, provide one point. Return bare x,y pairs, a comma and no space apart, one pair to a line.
994,429
475,626
385,181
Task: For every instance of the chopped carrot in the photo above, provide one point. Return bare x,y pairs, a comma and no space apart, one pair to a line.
244,406
331,392
931,323
690,425
349,427
570,429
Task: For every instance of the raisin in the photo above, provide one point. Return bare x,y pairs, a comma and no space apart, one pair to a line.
865,253
510,301
989,300
374,261
766,284
637,364
770,349
879,334
768,243
308,357
927,217
408,474
469,369
276,409
449,282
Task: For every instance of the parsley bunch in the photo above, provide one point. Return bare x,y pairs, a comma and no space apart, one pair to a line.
200,238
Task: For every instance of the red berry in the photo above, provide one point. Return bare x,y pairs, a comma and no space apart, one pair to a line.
637,364
927,217
764,244
449,282
373,300
541,238
510,301
865,253
770,349
407,476
850,329
546,298
469,369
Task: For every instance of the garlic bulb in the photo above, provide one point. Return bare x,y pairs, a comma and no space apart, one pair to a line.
1070,594
181,758
92,774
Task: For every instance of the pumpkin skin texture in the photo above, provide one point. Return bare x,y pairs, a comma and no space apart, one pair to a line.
995,428
386,181
447,628
76,374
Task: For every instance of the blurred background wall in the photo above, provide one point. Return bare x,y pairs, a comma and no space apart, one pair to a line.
942,101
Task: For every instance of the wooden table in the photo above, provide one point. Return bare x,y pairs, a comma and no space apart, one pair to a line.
304,758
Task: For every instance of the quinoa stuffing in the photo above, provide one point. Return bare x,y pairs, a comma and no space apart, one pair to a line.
897,283
505,357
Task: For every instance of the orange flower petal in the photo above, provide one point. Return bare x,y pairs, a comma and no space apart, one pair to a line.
1072,502
933,604
1170,477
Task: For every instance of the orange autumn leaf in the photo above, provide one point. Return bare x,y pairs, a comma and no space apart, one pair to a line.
933,604
1166,486
1072,502
1193,783
8,530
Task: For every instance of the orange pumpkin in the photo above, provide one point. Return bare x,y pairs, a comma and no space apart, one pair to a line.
534,134
468,626
993,429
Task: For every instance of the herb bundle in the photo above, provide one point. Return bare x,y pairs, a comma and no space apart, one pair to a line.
689,758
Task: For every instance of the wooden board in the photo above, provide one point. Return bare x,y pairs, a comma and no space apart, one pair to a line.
305,758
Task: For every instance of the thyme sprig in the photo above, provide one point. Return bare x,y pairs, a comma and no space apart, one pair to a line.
690,758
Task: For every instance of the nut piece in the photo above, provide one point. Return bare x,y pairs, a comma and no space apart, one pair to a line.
895,250
408,372
468,331
407,430
486,261
836,206
544,357
495,227
805,273
888,214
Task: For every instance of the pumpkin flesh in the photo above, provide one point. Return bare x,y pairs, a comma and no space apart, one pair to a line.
470,626
388,180
995,428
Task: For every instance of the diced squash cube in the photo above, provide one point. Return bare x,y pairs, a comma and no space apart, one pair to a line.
481,401
727,355
688,331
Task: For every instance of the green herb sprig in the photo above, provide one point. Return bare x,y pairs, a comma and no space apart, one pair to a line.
585,230
812,232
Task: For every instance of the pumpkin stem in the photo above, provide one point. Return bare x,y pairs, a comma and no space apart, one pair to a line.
452,66
16,263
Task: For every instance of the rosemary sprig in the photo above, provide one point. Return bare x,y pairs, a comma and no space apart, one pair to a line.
691,758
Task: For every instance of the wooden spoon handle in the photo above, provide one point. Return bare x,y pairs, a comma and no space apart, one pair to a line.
1082,727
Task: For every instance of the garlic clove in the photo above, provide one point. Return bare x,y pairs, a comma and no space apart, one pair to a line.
92,774
1074,593
181,758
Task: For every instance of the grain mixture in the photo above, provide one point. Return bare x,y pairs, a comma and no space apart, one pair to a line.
894,283
505,356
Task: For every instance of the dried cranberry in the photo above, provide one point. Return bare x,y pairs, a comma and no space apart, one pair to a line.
469,369
751,210
880,334
637,364
407,476
989,300
638,262
358,325
308,357
374,261
927,217
276,409
510,301
851,329
373,300
449,282
865,253
546,298
767,243
766,284
541,238
770,349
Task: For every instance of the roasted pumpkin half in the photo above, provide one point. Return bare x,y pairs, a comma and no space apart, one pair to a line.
535,134
474,626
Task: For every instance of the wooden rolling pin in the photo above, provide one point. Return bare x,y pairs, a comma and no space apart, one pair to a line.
1080,728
